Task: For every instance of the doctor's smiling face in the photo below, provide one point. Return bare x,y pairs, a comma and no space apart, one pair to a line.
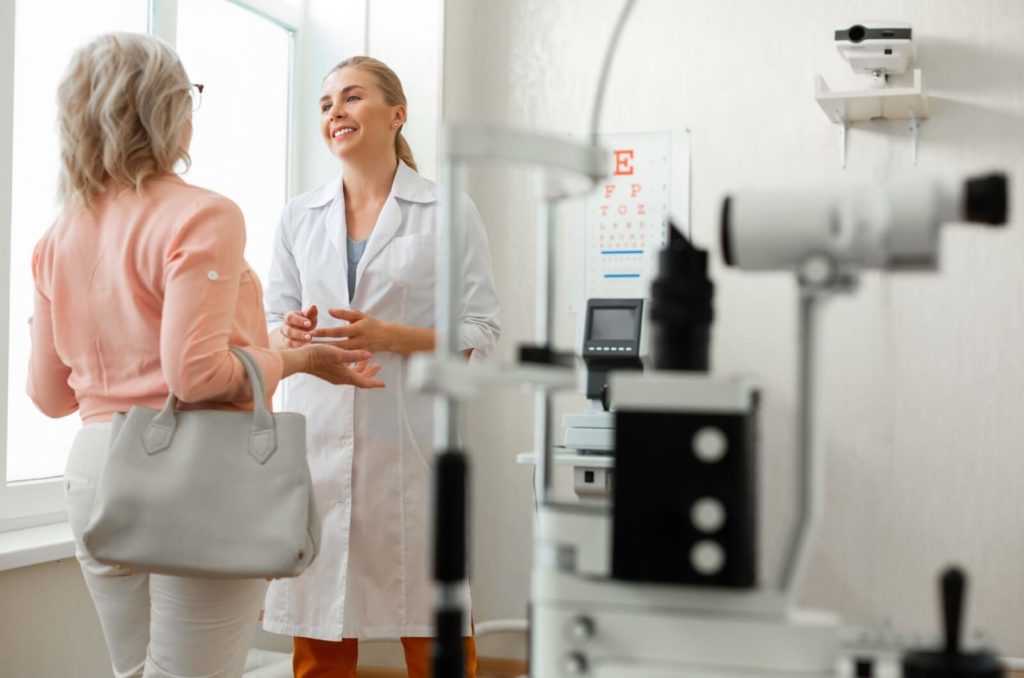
355,118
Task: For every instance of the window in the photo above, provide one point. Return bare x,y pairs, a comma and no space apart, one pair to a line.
242,52
37,446
240,137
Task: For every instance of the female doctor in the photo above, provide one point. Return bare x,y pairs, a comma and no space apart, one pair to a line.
354,265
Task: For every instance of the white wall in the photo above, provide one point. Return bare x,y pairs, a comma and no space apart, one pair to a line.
407,35
924,376
333,31
48,625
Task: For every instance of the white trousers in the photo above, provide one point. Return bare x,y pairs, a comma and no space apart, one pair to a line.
158,626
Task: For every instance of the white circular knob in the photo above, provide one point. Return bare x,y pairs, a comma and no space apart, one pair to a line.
818,269
710,445
708,514
575,664
707,557
581,629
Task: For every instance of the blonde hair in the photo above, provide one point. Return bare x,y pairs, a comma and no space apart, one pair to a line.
393,96
125,106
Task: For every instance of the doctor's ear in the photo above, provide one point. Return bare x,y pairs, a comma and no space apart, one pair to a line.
399,118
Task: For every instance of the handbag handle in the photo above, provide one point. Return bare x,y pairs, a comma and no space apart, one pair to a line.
262,436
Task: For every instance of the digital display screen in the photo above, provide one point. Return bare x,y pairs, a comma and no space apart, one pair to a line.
614,324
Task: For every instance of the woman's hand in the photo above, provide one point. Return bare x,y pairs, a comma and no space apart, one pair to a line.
363,332
332,364
341,366
297,327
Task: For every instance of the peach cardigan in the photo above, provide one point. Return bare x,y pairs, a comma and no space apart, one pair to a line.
144,295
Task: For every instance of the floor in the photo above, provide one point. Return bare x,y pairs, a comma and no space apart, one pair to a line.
265,664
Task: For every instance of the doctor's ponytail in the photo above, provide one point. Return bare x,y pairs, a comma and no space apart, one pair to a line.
391,86
403,151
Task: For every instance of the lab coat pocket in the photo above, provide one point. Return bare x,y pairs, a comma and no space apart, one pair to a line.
412,260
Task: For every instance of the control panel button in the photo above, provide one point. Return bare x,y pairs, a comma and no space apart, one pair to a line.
708,514
710,445
707,557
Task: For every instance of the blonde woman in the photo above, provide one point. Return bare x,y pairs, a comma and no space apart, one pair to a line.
354,266
140,287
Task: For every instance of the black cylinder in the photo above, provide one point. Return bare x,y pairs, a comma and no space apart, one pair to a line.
447,649
985,199
681,310
450,518
726,231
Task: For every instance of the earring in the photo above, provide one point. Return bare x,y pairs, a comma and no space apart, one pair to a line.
395,125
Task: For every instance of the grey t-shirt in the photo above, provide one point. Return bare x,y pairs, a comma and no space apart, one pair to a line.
355,253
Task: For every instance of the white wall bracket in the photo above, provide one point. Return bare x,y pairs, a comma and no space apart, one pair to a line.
915,125
886,103
841,125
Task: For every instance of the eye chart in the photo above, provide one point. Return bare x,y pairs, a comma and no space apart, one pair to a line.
627,215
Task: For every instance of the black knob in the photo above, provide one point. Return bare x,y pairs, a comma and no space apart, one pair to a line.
950,661
952,607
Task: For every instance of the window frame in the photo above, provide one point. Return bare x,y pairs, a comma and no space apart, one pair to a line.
31,503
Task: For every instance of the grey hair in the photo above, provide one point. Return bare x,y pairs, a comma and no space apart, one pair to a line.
124,115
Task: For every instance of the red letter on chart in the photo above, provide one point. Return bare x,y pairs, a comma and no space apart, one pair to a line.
624,162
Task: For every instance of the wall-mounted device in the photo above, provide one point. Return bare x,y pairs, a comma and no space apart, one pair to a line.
877,47
876,50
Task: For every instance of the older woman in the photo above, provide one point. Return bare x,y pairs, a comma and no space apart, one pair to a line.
140,288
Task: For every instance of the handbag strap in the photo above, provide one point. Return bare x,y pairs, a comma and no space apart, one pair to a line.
262,436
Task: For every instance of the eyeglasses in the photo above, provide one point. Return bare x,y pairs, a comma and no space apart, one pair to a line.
197,95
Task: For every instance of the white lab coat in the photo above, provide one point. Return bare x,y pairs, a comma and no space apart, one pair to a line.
370,450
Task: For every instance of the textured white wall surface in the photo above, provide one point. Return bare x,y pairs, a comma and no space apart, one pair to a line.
48,625
407,35
923,374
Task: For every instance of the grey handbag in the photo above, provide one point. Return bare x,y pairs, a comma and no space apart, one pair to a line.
207,493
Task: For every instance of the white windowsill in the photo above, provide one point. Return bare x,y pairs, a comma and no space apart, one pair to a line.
34,545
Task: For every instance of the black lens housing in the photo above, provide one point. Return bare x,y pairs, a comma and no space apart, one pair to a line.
681,307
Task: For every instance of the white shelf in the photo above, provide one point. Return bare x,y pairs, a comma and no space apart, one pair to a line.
565,457
885,103
889,103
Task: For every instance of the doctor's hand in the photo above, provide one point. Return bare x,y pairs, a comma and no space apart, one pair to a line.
297,327
362,332
341,366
